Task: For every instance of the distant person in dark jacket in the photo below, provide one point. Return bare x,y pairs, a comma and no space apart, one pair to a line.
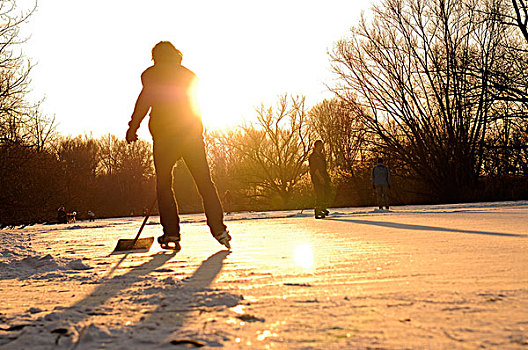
381,182
320,179
226,201
62,217
177,132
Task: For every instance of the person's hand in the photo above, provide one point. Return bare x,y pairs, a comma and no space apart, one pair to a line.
131,135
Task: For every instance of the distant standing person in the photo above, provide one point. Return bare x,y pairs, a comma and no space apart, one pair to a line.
226,201
91,216
381,182
320,179
177,132
62,217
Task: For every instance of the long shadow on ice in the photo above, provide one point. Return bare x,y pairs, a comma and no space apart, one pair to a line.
111,287
424,228
67,320
172,321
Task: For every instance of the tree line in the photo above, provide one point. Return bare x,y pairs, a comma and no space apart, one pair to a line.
437,88
441,84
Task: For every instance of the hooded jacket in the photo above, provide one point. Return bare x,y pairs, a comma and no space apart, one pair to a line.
168,93
317,163
380,175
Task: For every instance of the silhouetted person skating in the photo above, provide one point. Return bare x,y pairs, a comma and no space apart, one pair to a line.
381,182
320,179
177,132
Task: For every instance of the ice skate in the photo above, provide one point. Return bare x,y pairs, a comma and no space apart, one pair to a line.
319,214
223,238
169,242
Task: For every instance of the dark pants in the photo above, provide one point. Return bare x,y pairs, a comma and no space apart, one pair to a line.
166,153
322,195
382,195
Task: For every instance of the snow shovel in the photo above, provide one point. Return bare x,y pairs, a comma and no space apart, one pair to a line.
136,243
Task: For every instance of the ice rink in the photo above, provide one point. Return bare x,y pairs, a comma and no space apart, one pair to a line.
433,277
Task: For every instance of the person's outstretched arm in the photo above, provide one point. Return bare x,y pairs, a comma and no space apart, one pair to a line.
140,111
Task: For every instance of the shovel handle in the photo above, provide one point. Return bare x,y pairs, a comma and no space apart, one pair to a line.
144,221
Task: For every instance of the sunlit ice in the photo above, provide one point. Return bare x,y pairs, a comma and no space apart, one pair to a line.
303,255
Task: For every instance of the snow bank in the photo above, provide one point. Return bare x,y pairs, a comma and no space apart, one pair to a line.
39,267
19,260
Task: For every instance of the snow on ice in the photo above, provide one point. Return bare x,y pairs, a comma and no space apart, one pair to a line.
443,276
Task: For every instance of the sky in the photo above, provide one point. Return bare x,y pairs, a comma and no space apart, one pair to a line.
89,55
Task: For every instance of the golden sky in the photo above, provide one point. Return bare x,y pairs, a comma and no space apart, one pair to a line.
89,55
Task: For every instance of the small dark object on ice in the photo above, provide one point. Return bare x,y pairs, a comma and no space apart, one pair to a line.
14,328
195,343
297,284
60,330
34,310
250,318
164,270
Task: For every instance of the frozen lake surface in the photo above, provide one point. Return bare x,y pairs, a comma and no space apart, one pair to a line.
445,276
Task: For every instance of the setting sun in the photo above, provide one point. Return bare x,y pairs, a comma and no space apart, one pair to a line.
212,106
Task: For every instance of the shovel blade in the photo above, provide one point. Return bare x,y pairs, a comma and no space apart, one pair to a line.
128,244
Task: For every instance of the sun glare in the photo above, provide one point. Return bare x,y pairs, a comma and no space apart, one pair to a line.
216,110
194,93
303,256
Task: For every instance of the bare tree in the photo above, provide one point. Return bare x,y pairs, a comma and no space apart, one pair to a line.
520,16
78,159
273,151
419,74
224,159
124,175
116,157
20,121
342,131
109,162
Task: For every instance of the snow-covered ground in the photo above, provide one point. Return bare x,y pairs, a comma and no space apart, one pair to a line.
445,276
